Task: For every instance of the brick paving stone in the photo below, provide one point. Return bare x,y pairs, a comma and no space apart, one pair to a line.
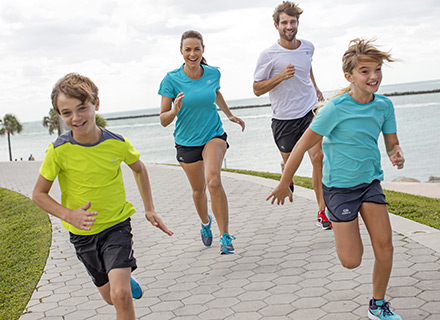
284,267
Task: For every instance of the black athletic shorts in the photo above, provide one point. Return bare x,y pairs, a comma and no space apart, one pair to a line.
286,133
104,251
194,154
342,204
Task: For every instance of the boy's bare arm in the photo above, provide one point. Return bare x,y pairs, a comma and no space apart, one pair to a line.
79,218
143,183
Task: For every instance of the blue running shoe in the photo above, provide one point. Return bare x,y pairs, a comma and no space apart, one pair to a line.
380,310
136,289
226,246
206,234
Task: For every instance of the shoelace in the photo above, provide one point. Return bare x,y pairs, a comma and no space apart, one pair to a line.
226,239
386,309
205,231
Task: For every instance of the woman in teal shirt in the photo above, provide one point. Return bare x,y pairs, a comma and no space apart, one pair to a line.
191,94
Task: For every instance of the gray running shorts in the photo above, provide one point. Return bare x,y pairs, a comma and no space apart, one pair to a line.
342,204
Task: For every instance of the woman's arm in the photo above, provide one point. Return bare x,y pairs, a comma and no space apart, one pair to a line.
167,112
220,101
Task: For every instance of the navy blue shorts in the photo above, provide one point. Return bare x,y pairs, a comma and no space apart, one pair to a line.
194,154
342,204
104,251
286,133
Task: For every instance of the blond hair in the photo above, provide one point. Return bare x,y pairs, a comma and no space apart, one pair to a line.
359,50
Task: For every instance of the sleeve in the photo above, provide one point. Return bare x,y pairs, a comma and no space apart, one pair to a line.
263,68
389,125
49,168
326,120
166,87
218,80
132,155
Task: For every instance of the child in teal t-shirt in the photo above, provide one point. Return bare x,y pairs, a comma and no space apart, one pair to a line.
93,207
351,124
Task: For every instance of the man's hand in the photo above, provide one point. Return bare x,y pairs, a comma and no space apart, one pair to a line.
288,72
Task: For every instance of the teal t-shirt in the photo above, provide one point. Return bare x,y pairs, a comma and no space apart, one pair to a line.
351,131
198,120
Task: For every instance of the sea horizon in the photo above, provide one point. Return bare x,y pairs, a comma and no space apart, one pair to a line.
417,119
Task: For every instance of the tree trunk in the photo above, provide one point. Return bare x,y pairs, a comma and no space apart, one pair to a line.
9,145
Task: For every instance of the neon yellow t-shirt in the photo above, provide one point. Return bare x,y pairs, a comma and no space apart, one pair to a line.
91,173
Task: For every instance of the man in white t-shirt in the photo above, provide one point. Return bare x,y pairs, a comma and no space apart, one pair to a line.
285,71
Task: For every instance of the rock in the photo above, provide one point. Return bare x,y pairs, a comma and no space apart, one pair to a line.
433,179
405,179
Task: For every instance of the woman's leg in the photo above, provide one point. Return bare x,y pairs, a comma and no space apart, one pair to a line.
213,155
195,173
348,242
377,221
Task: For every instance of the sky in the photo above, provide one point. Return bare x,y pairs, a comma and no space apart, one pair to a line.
127,46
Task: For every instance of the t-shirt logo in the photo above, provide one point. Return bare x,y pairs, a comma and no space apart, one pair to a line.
208,81
114,160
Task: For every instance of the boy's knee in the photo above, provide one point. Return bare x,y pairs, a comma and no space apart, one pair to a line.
120,297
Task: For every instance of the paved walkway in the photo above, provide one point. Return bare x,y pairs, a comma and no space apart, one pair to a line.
284,267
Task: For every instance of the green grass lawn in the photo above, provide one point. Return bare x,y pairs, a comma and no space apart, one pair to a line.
25,237
417,208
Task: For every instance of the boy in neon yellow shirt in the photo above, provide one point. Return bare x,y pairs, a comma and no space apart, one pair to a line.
93,207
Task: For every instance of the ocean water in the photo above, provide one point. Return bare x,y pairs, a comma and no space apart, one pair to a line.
418,119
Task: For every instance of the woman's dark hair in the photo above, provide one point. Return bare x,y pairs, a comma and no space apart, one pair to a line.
193,34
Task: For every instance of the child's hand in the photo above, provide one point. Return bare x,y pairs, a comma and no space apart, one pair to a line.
396,158
279,194
81,218
157,222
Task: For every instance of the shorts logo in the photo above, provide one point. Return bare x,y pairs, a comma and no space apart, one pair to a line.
181,159
346,211
282,147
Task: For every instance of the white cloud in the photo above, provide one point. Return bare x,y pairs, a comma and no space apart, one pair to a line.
126,47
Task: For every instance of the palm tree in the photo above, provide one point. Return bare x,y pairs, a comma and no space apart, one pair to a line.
10,125
52,122
100,121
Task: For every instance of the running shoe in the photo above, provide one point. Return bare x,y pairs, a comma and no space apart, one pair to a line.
323,221
206,234
382,311
136,289
226,246
291,186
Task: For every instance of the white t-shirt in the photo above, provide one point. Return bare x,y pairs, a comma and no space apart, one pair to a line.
295,97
